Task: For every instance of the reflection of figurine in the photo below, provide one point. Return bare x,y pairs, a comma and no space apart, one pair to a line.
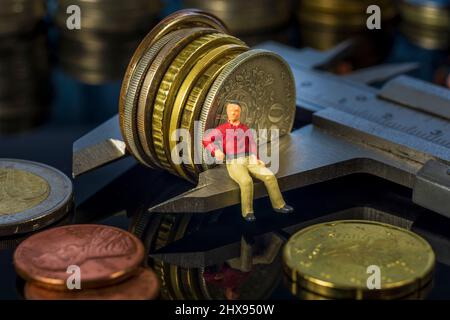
228,279
235,141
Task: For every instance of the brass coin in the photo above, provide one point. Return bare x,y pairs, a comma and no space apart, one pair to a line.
178,20
189,82
263,82
156,70
169,86
32,196
332,259
193,107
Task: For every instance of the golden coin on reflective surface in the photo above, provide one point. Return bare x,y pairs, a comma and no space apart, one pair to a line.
336,259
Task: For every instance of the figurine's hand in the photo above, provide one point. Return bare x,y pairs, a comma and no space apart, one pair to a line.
261,163
219,155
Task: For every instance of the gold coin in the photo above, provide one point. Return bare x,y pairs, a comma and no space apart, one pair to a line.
303,294
151,80
186,87
193,107
21,190
169,87
178,20
336,259
264,84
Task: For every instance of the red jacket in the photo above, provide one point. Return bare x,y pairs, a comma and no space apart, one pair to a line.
234,141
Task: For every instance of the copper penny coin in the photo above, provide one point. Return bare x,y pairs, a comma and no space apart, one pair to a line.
104,255
143,286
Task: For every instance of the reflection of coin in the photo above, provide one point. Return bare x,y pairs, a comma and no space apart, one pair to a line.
332,259
304,294
32,195
104,255
264,85
142,286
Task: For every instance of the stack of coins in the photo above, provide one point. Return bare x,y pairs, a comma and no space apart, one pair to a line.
110,31
24,83
352,259
20,16
176,85
426,22
325,23
85,262
248,19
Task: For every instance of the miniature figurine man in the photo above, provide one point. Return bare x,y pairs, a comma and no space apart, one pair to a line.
232,141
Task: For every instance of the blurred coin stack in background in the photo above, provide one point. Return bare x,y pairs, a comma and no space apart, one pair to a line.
24,82
110,31
253,20
426,23
24,65
20,16
325,23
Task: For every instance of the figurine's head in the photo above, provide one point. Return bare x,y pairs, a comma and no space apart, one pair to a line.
233,110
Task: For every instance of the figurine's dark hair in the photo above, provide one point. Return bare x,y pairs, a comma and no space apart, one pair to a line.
227,102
